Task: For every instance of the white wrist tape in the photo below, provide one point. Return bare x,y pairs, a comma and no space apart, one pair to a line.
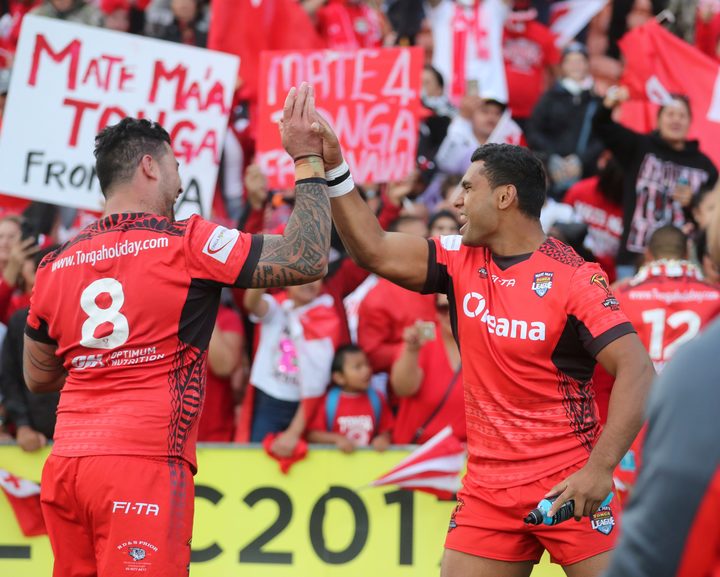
339,180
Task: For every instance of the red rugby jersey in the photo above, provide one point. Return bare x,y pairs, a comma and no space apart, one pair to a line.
529,328
669,303
131,304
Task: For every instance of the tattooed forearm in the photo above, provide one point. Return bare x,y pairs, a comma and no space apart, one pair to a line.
300,255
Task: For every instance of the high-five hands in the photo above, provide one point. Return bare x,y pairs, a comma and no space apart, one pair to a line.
298,137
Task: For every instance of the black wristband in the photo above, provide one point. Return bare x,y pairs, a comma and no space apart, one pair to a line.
302,156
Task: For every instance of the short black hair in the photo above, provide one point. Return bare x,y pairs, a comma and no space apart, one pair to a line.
516,165
119,149
668,242
396,224
436,74
444,213
676,97
340,354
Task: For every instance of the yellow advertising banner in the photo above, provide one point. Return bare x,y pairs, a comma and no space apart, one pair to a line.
321,519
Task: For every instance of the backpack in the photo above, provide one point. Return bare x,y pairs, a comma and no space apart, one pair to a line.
333,398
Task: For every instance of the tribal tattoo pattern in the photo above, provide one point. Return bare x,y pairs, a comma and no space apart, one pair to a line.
301,253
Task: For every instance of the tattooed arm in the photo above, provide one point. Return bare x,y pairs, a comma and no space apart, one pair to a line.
42,369
300,255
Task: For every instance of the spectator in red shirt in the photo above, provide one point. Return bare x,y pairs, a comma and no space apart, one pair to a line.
427,379
707,31
10,30
597,201
388,309
352,414
15,253
530,59
225,358
350,25
116,14
33,416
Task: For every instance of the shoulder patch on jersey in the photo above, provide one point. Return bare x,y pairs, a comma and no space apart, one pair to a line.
221,242
451,242
601,282
561,252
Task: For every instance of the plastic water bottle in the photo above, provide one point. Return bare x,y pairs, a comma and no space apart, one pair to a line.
539,515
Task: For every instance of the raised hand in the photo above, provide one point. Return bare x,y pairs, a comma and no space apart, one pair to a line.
298,137
332,154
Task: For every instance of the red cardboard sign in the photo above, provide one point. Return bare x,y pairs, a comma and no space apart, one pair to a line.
370,97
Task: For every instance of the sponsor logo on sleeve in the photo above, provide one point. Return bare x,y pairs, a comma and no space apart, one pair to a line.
603,520
610,301
220,244
542,283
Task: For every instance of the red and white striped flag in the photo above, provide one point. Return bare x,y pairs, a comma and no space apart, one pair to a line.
24,498
433,468
568,18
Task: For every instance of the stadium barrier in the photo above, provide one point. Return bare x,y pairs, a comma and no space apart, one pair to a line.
321,519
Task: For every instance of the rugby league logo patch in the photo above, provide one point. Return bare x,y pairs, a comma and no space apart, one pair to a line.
603,520
542,283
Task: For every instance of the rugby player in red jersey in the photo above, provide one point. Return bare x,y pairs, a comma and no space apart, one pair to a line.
669,303
120,321
531,318
668,300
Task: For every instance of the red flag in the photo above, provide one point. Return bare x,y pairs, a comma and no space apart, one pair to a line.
24,498
658,63
247,27
433,468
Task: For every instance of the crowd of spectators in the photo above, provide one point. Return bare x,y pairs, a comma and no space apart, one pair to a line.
355,360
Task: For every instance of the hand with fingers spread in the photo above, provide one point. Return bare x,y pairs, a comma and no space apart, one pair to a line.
588,487
298,137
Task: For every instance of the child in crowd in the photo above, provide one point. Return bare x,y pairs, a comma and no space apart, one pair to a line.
298,337
352,413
